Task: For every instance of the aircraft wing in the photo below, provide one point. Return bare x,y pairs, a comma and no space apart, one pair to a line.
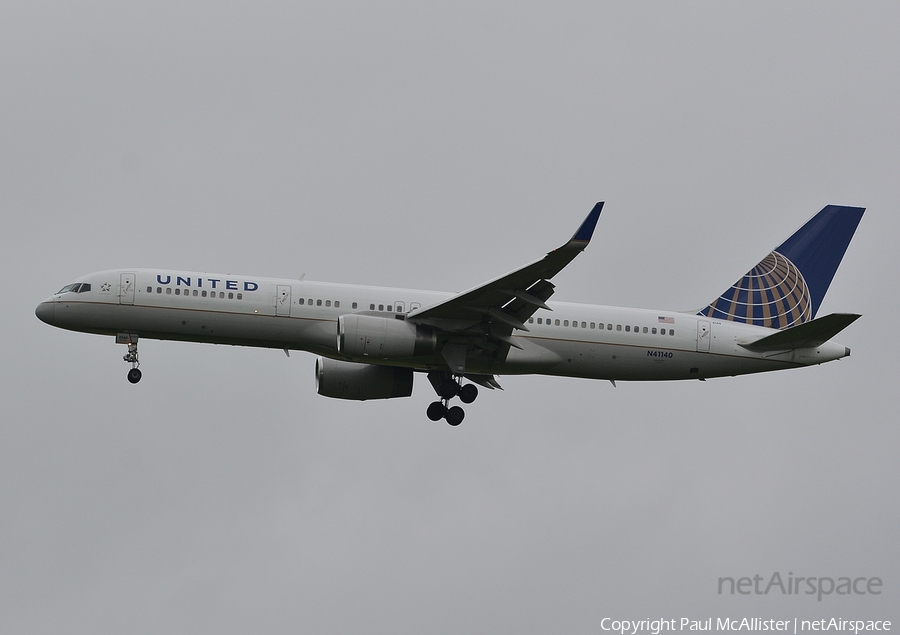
493,309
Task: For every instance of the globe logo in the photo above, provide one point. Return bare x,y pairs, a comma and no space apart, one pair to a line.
772,294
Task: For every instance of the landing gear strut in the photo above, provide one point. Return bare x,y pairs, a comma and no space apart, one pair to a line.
447,387
134,375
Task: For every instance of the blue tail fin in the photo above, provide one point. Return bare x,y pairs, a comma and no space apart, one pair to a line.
787,287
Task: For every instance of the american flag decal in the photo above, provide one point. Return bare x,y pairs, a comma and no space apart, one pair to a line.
666,320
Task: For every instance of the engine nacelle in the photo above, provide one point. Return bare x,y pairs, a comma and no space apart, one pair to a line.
384,338
349,380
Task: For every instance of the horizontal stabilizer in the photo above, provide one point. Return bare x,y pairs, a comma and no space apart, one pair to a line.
806,335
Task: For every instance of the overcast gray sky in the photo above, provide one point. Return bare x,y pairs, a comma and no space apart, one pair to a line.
404,144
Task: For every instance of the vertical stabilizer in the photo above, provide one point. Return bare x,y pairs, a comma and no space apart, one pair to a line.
787,287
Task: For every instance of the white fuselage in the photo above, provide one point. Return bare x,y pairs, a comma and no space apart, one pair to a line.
576,340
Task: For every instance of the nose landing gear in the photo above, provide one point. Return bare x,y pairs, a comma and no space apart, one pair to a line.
447,387
134,375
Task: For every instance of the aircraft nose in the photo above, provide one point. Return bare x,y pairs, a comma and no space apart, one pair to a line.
45,311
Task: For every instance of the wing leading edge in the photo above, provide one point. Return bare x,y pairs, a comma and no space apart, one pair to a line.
487,315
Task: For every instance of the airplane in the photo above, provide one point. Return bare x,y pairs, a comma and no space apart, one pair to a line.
370,341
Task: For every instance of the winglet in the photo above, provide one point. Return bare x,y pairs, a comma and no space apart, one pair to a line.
584,233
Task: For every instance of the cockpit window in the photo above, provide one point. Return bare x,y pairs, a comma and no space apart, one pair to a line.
78,287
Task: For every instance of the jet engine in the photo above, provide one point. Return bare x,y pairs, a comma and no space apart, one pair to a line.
349,380
385,338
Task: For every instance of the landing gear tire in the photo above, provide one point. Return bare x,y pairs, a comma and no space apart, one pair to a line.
455,415
449,389
468,393
436,411
134,375
448,385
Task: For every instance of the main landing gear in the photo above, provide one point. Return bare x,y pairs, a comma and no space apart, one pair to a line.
134,375
447,387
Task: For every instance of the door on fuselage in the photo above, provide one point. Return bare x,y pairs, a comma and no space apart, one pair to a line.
126,288
283,300
703,336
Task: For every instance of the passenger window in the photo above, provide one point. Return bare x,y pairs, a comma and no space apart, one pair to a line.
671,331
230,295
531,320
565,323
240,296
169,291
584,325
309,302
337,304
381,307
328,303
354,305
627,329
203,294
371,307
645,329
390,307
540,320
159,289
195,293
609,327
593,325
318,303
149,289
618,327
557,322
177,291
653,331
